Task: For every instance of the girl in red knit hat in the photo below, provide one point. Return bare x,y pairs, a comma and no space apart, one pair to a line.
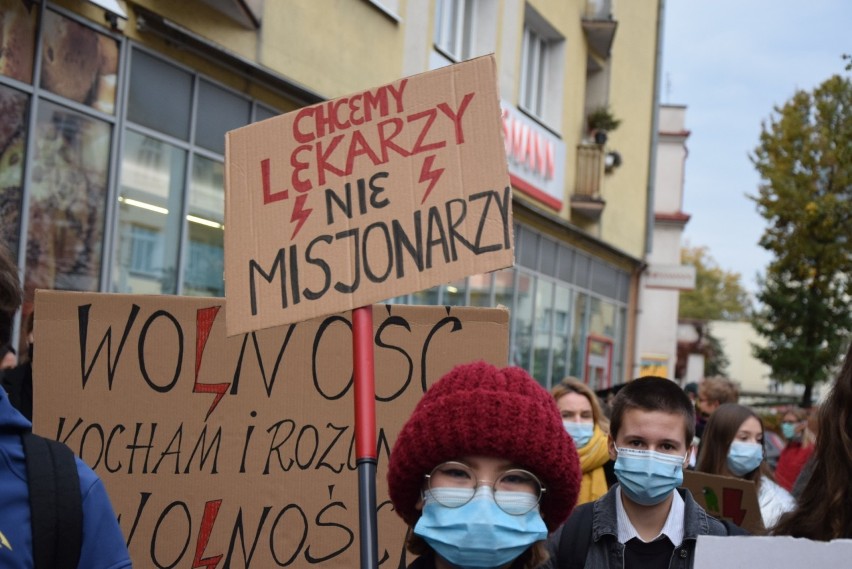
483,471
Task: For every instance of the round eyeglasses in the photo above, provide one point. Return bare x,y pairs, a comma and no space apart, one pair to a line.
515,491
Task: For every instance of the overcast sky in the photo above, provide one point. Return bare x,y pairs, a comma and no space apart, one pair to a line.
730,62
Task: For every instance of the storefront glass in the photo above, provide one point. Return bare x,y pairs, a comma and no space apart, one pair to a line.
17,52
205,263
67,190
13,114
149,216
78,63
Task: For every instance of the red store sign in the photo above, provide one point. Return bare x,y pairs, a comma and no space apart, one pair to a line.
536,157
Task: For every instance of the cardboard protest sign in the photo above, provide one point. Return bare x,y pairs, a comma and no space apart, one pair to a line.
237,451
726,497
366,197
738,552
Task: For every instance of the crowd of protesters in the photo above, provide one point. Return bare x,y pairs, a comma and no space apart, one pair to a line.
493,471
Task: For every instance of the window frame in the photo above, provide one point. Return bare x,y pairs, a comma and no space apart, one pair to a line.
455,27
542,71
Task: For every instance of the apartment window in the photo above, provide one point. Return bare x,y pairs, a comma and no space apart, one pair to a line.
541,69
454,28
532,86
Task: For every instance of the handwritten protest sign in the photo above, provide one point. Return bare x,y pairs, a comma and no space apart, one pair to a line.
366,197
237,451
726,497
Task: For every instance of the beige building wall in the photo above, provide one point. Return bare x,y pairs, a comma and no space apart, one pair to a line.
736,339
632,100
335,47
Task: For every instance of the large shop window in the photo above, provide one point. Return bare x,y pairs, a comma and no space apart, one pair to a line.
149,224
177,124
78,63
561,330
67,200
17,53
160,96
560,299
13,115
206,262
218,112
542,349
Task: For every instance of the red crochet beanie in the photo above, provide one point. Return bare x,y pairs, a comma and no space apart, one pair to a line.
478,409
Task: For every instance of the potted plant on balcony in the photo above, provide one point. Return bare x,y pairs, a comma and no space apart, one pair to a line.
601,121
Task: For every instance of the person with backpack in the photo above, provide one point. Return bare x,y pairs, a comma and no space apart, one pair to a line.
646,520
54,510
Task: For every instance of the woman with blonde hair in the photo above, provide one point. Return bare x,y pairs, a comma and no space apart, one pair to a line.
585,421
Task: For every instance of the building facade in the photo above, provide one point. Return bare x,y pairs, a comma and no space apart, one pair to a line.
665,277
114,115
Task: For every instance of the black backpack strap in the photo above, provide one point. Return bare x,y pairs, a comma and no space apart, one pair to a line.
575,539
56,507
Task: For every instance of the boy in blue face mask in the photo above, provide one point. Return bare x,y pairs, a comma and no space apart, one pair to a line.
483,471
645,521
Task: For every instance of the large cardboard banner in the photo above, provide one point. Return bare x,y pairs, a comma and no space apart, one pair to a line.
366,197
237,452
726,497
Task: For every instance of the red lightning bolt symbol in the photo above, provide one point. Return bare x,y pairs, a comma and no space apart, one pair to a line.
426,173
300,214
211,510
732,500
204,322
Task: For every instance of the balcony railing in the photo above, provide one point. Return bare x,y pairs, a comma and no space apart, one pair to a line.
586,200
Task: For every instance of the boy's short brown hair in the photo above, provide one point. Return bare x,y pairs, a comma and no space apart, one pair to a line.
653,394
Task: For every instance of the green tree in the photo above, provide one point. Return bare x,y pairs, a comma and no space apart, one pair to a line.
805,163
718,294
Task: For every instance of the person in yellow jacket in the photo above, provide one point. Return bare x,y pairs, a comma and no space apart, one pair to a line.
585,421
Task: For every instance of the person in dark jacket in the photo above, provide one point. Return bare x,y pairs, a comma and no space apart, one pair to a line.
483,470
102,545
644,521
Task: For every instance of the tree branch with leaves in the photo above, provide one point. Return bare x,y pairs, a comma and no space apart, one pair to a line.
804,159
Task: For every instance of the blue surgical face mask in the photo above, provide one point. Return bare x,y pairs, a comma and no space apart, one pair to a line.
580,432
647,476
788,430
479,534
744,457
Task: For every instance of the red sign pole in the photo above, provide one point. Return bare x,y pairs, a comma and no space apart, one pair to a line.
365,433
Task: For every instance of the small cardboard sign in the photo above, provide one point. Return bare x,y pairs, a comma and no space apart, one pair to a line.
783,552
238,451
726,497
366,197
